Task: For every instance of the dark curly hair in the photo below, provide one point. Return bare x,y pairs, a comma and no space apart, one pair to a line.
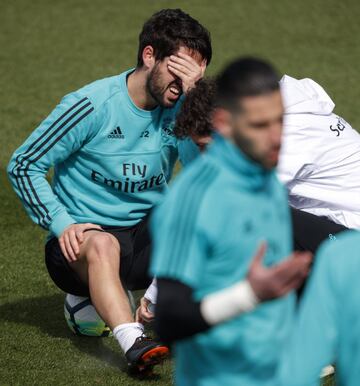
167,29
194,117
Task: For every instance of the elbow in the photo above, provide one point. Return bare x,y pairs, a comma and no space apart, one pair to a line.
177,315
10,168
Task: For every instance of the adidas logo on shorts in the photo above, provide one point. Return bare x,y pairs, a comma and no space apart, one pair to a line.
116,133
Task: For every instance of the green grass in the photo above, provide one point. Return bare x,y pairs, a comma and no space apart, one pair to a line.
50,48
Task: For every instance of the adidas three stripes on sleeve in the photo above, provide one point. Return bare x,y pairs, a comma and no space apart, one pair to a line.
63,132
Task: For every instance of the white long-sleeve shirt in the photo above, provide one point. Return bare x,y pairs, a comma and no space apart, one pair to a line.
320,155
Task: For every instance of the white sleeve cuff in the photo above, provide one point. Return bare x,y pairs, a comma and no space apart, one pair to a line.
151,292
228,303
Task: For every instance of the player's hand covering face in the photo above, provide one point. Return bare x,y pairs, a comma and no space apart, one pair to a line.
187,68
175,75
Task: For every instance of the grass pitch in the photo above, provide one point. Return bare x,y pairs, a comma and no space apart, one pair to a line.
50,48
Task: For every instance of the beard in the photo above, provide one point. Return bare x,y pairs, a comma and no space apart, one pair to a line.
156,88
248,147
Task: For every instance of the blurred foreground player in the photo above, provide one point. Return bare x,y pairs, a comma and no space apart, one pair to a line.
207,230
327,328
112,149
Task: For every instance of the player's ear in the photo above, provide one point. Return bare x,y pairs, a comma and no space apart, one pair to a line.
148,57
222,121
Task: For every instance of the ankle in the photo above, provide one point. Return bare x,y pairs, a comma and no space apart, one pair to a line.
127,333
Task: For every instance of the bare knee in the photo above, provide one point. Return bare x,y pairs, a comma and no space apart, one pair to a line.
102,247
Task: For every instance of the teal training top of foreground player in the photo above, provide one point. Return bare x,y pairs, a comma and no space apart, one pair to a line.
112,160
188,151
205,234
327,329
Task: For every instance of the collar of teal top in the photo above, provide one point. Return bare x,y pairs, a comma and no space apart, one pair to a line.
234,160
137,110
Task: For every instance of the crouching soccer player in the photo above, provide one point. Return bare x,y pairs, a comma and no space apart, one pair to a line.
113,150
208,228
320,156
194,128
327,328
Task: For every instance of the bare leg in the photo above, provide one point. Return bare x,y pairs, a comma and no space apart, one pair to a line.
99,267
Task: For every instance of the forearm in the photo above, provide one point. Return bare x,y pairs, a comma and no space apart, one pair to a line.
58,136
178,316
33,189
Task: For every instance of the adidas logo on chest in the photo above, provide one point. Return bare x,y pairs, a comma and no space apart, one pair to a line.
116,133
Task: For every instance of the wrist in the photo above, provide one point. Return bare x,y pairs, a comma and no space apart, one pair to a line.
228,303
188,87
61,221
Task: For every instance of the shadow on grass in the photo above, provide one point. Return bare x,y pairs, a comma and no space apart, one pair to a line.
46,313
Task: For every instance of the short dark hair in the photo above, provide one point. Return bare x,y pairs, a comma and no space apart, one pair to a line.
245,77
167,29
194,117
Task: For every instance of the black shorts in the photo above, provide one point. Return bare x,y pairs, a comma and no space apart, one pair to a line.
309,231
135,249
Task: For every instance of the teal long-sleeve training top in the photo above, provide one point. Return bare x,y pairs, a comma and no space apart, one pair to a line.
112,161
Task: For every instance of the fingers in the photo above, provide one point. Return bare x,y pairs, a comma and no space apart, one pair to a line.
295,282
74,242
295,278
260,253
285,276
306,259
302,261
187,69
179,71
190,61
295,261
306,256
146,316
69,253
291,286
138,318
68,246
80,228
144,312
185,62
293,268
203,69
80,236
90,225
63,249
71,239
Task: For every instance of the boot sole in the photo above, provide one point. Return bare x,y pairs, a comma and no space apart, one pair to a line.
152,357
